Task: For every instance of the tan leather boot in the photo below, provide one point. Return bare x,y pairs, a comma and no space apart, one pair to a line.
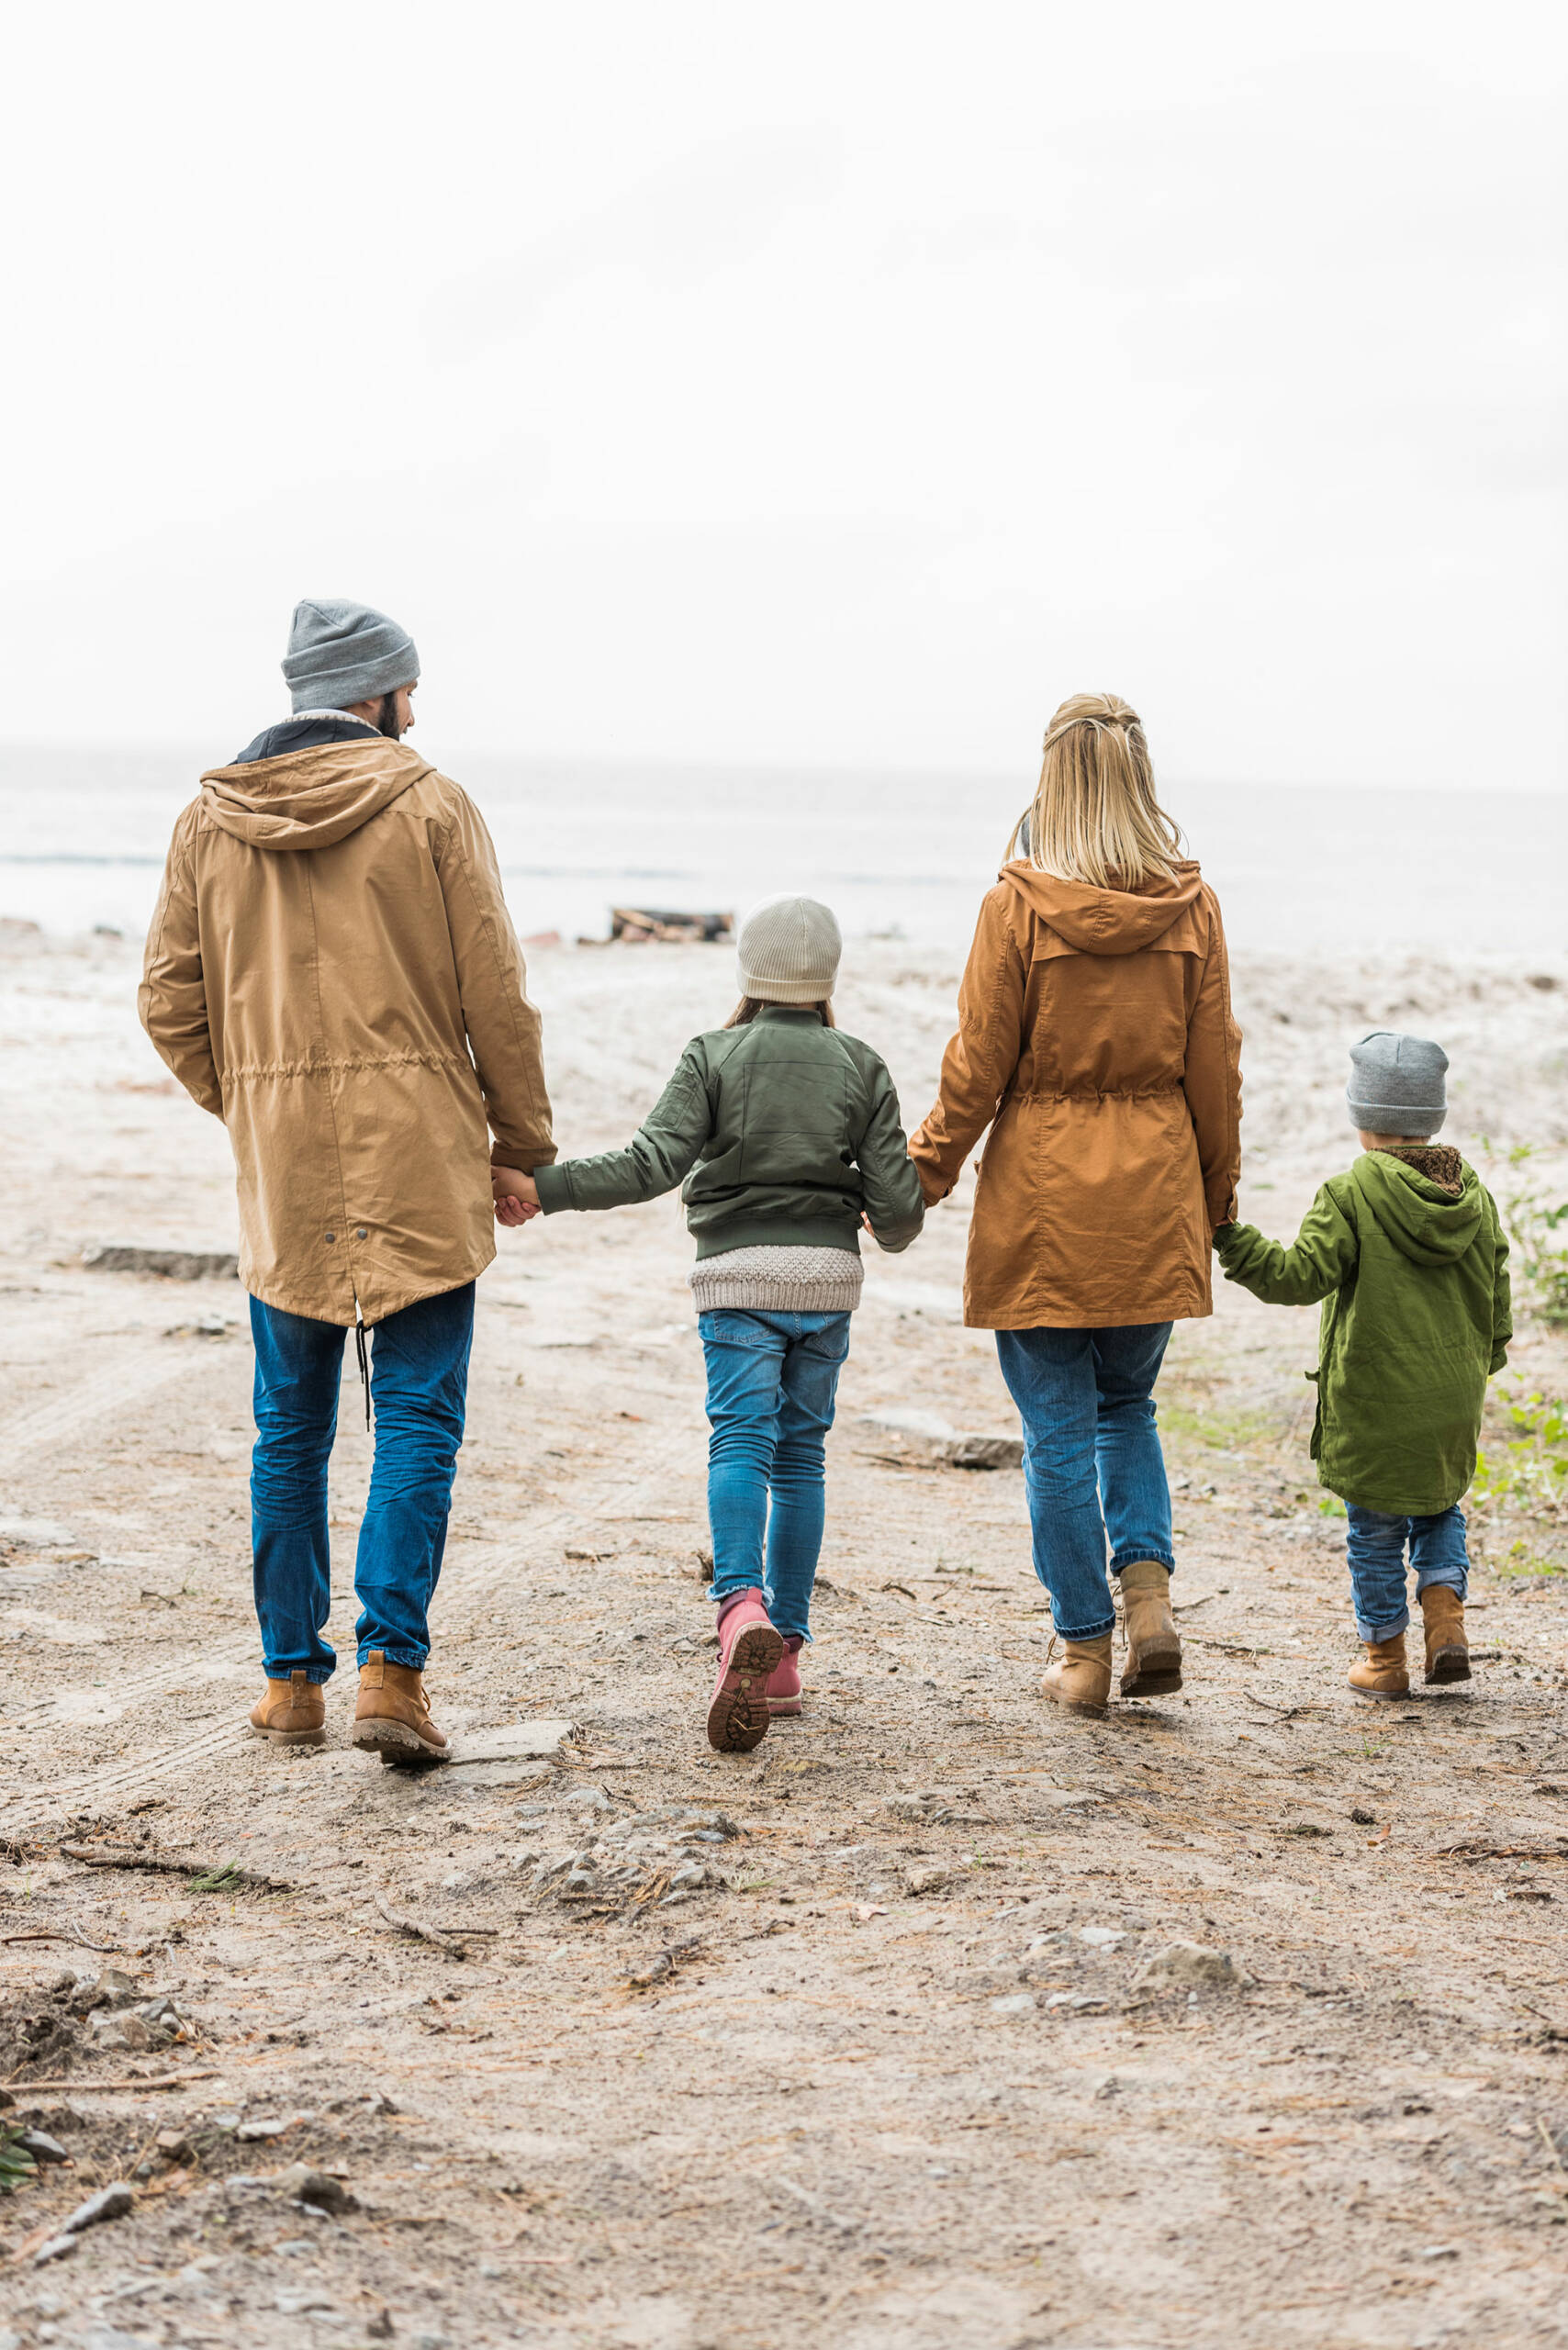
293,1713
391,1718
1153,1668
1448,1649
1381,1673
1081,1682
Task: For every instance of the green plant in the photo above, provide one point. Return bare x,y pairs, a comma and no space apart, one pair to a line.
1529,1472
17,2165
1538,1232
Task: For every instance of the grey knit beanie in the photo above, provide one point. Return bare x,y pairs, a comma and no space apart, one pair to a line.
340,654
788,951
1397,1084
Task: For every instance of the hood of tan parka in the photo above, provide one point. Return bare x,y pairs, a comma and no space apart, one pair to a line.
310,798
1107,922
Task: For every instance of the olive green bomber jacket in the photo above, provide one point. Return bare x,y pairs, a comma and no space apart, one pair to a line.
780,1133
1416,1319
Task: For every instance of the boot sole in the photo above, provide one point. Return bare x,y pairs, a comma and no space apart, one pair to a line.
739,1713
1379,1696
779,1706
394,1741
1154,1670
1449,1664
292,1736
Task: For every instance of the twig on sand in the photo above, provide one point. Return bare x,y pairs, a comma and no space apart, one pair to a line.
207,1876
1558,1852
77,1941
431,1934
134,2081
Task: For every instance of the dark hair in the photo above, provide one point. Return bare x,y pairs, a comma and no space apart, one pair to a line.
750,1005
386,718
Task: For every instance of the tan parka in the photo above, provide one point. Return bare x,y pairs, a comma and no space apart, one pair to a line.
1095,1030
332,970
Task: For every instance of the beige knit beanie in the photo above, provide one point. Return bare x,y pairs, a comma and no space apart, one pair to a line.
788,951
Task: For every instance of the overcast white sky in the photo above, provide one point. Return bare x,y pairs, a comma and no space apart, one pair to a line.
810,382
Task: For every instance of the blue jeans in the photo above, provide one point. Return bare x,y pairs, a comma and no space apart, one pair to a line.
419,1385
1374,1546
1093,1465
772,1382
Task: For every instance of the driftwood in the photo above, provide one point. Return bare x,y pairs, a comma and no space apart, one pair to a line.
431,1934
639,922
207,1875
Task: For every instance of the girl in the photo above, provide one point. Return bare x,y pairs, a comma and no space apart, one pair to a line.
785,1135
1095,1028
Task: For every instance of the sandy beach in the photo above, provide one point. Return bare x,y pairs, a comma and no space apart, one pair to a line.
862,2039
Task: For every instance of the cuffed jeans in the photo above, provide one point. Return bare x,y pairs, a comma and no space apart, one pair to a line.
1375,1547
772,1379
419,1383
1093,1465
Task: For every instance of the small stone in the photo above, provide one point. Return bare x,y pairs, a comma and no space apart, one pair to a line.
1185,1964
304,2185
1362,1818
1437,2252
1016,2003
121,2032
111,2202
57,2248
113,1988
1100,1937
249,2132
588,1799
522,1742
931,1880
42,2147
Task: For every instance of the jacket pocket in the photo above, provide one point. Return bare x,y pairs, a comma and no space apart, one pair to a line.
1314,1449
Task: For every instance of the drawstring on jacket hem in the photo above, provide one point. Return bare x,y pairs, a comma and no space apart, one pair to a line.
363,1358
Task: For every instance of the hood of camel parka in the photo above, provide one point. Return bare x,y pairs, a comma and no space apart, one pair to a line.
310,798
1107,922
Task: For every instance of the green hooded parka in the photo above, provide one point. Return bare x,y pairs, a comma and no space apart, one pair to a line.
1413,1277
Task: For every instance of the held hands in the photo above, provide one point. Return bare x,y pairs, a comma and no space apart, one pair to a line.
516,1195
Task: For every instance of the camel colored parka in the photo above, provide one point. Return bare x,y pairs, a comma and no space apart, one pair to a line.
332,970
1095,1039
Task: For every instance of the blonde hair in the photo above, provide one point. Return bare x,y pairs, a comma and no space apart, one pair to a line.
1094,816
750,1005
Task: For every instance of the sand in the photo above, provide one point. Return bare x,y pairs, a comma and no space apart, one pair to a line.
853,2041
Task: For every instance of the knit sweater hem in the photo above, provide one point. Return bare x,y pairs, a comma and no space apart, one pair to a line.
763,1280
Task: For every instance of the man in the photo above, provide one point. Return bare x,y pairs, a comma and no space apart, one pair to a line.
332,970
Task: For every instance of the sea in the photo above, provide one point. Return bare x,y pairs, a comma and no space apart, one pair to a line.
1298,868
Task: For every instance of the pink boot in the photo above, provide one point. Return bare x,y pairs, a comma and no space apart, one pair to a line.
784,1689
749,1649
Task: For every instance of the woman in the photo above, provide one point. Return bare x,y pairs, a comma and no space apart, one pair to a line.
1095,1039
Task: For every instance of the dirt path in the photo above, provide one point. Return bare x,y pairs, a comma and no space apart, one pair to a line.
708,2071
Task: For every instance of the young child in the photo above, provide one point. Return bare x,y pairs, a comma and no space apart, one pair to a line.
785,1135
1407,1255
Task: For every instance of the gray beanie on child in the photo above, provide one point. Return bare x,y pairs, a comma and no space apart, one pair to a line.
788,951
340,654
1397,1084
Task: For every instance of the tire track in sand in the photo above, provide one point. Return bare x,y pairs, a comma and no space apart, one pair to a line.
467,1581
129,1378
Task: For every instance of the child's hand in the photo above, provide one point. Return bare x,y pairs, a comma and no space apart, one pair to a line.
516,1195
